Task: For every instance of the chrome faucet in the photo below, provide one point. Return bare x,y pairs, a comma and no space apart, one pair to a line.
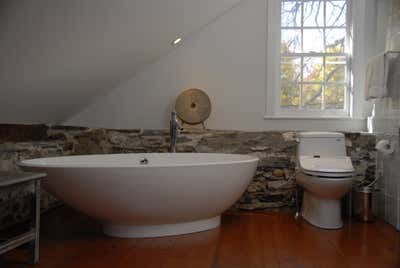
174,129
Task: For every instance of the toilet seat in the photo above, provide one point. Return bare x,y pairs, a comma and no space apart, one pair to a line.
328,175
327,167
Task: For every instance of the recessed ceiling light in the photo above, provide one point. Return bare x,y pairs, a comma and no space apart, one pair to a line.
176,41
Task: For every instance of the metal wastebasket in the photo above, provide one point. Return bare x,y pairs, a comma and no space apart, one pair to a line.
365,204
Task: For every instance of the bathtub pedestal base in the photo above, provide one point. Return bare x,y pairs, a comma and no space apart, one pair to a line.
137,231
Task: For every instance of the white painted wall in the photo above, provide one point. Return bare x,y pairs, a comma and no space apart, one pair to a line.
228,60
56,55
386,124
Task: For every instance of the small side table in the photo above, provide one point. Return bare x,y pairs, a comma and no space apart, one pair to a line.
31,236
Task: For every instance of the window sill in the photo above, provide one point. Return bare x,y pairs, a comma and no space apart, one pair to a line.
315,123
283,117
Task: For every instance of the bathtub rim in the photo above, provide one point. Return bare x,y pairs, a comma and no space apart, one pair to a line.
30,163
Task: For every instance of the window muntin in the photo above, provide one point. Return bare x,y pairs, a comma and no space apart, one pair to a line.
314,56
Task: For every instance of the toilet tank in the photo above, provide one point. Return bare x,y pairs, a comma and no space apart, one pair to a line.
325,144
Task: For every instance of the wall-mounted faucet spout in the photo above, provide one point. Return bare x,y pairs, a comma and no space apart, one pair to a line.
174,129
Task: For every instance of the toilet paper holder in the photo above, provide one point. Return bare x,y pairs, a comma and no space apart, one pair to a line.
386,145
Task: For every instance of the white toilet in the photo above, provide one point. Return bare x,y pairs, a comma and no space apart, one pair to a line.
326,174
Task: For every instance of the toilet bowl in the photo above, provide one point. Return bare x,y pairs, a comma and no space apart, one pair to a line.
326,174
322,199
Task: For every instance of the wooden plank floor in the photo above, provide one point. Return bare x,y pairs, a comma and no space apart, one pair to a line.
245,239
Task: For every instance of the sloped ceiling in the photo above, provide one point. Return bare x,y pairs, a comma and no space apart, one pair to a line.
58,54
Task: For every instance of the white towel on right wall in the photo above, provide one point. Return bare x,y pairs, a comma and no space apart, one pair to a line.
393,75
375,86
383,76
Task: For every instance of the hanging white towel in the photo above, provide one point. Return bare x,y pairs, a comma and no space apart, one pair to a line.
393,75
383,76
376,78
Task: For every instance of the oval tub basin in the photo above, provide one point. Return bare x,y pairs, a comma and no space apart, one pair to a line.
148,195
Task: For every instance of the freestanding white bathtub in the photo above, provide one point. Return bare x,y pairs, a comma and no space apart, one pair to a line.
171,194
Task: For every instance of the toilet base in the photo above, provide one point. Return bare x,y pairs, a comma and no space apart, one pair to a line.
322,213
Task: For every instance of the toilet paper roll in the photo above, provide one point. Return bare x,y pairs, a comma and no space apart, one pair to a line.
384,147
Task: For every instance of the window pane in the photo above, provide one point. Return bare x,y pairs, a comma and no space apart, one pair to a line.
290,95
290,69
312,69
314,13
291,41
335,70
334,96
336,13
313,40
312,96
290,79
335,40
291,14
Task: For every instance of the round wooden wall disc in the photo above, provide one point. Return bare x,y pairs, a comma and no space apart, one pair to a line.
193,106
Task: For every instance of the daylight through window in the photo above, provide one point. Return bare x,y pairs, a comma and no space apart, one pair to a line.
314,55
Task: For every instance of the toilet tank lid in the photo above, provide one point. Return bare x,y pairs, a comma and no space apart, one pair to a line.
320,135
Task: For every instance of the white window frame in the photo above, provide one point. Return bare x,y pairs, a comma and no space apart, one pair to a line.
273,92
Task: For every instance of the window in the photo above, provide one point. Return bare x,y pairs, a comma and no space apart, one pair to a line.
314,58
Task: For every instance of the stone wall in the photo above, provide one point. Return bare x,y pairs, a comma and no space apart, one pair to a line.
272,187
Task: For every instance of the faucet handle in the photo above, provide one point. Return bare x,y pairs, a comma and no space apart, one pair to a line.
179,126
176,122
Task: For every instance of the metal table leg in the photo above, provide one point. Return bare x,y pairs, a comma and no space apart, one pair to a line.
297,215
30,237
36,222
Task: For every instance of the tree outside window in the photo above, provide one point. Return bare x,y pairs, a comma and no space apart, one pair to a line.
314,55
